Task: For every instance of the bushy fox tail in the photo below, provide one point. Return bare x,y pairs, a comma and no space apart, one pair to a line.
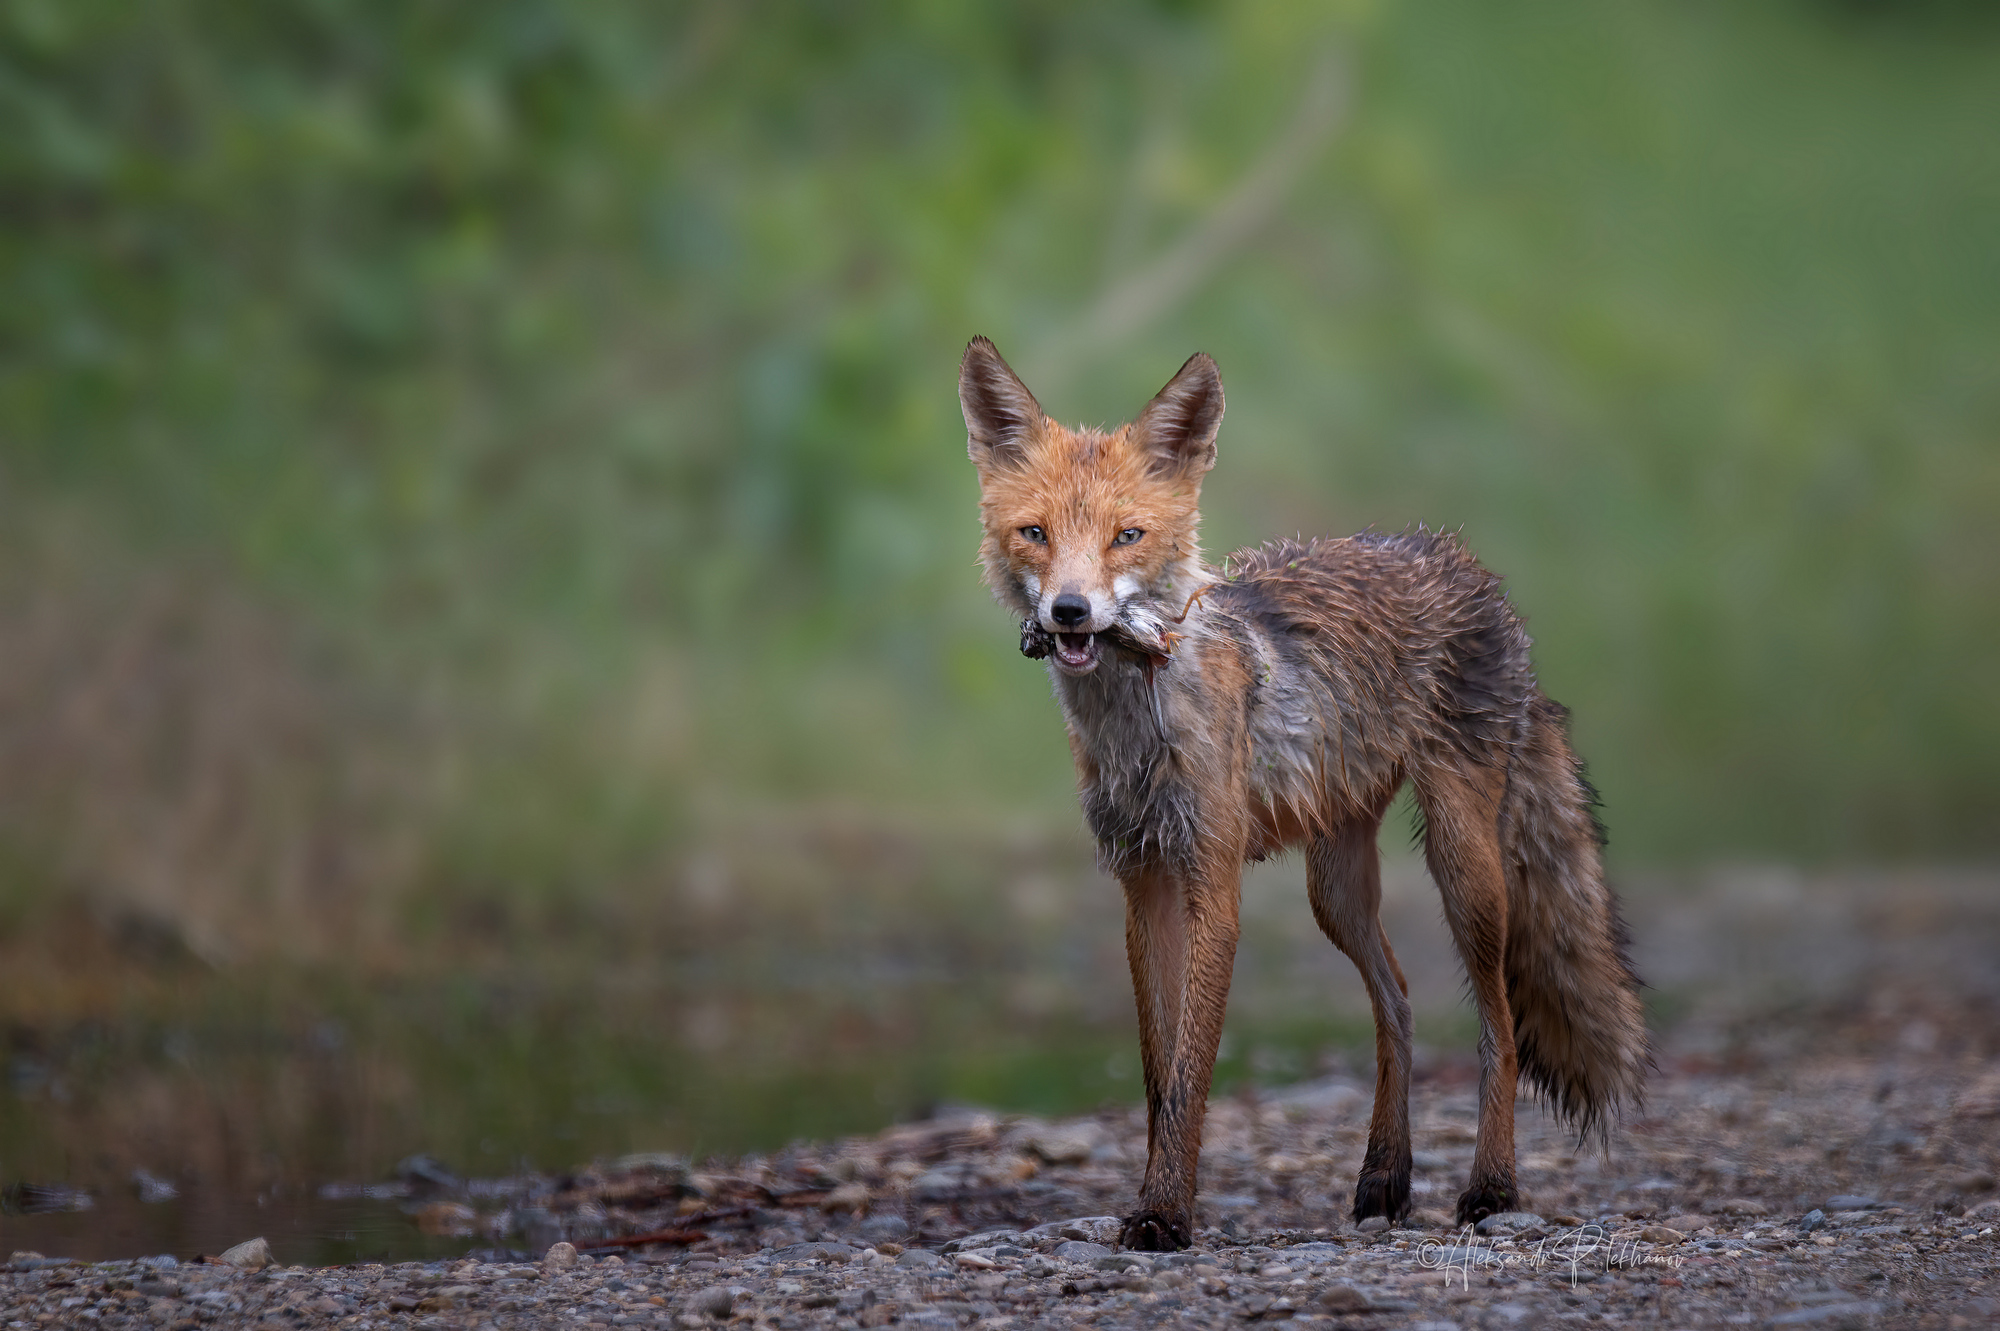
1579,1030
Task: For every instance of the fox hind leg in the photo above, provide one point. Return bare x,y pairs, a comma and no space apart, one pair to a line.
1344,883
1462,848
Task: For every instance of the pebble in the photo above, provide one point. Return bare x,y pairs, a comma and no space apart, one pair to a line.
1739,1206
1124,1261
1076,1250
1084,1229
1342,1299
1511,1223
815,1252
878,1229
250,1255
717,1300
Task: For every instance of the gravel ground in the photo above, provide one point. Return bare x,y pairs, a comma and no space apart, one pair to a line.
1822,1189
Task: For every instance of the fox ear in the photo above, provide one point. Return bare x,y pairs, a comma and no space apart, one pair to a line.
999,409
1178,426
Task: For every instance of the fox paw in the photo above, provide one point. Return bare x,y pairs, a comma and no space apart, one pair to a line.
1150,1231
1488,1198
1384,1193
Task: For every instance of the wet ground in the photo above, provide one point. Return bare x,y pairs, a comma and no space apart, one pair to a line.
1850,1184
1819,1038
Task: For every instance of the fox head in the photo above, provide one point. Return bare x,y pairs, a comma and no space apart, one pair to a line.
1090,534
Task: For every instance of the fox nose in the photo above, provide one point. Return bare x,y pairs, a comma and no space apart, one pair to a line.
1070,610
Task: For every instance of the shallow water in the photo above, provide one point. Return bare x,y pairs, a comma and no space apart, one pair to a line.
303,1228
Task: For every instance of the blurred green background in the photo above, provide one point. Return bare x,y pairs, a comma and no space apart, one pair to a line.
487,601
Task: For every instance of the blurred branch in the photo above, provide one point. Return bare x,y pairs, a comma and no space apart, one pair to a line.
1136,300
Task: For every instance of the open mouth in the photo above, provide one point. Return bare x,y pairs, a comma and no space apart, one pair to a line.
1076,652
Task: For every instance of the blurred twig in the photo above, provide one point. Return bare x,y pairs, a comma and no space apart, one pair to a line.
1132,302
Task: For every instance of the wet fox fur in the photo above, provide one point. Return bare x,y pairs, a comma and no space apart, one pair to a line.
1219,716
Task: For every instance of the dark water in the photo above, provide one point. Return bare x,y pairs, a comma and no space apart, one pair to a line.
302,1228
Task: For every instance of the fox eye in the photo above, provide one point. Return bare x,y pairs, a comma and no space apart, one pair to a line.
1035,534
1128,536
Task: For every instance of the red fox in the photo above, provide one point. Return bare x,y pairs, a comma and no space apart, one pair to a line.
1220,716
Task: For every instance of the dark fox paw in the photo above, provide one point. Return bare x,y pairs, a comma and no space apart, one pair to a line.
1382,1192
1151,1231
1487,1198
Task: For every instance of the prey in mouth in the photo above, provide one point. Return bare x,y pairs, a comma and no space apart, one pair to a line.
1074,653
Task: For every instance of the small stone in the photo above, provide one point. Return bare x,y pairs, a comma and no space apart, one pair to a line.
559,1257
1739,1206
250,1255
1342,1299
1061,1148
1123,1261
1662,1234
919,1259
1813,1219
455,1296
986,1238
852,1197
1514,1224
973,1261
1084,1229
1686,1223
877,1228
1075,1250
717,1300
1374,1224
937,1185
815,1252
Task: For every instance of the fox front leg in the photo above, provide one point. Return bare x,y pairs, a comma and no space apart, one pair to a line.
1181,939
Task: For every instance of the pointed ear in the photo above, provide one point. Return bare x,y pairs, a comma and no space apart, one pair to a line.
1178,426
999,409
